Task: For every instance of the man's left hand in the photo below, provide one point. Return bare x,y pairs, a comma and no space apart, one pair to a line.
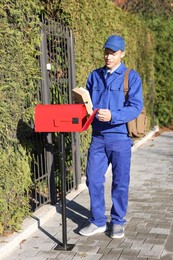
104,115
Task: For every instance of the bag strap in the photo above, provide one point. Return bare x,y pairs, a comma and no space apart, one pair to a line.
126,85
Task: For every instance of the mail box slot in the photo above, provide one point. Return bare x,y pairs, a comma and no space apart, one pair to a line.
62,118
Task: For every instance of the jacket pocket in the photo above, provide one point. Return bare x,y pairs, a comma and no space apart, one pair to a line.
117,98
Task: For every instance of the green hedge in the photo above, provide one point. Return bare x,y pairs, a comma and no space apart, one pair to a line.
163,63
19,39
15,181
158,16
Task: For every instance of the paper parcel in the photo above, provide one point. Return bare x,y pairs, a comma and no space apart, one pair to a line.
82,96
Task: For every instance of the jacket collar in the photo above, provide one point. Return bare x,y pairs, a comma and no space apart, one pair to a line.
120,70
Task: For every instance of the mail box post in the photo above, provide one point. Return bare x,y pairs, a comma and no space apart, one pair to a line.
65,246
62,118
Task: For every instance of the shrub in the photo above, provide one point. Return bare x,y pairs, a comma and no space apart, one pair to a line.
19,39
14,189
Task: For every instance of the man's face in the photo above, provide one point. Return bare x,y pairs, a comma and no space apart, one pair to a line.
112,58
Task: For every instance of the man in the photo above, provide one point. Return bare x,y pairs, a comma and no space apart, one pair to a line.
111,143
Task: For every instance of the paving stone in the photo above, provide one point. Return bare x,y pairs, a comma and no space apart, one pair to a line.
50,253
155,241
87,256
109,257
131,234
142,215
155,251
73,241
143,229
88,242
160,231
157,248
125,245
166,257
130,228
141,236
157,258
103,243
161,236
114,243
130,252
32,258
43,246
104,250
139,240
149,254
64,256
136,220
116,251
86,249
141,246
30,253
129,257
14,256
103,236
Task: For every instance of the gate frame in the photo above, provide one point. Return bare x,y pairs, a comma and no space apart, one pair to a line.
48,149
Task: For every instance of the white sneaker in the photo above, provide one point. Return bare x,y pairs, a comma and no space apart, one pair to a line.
92,229
117,231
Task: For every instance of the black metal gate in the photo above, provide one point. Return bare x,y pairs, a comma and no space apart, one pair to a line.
57,80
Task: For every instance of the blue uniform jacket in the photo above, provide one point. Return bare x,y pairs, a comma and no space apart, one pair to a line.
109,94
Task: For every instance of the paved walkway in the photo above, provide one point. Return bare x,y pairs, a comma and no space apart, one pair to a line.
149,232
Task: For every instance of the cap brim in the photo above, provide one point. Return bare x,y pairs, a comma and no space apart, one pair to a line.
112,47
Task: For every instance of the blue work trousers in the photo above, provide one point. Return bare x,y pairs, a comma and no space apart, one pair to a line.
102,152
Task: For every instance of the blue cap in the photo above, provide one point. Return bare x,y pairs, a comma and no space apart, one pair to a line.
115,43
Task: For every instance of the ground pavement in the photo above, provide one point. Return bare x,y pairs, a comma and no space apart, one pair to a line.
148,231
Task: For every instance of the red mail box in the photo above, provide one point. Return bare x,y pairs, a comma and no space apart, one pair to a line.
62,118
